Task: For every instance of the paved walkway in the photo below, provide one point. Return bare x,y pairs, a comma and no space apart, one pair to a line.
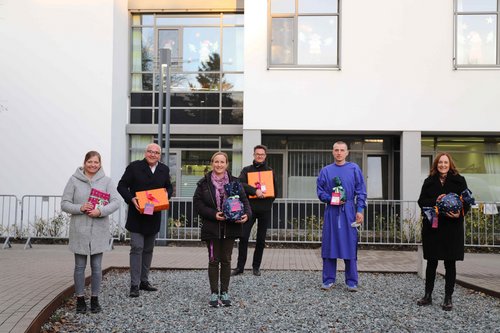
33,282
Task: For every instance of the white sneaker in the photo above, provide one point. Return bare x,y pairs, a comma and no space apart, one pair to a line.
352,289
327,286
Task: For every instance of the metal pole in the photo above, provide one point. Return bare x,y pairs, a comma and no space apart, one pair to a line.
164,56
161,63
167,105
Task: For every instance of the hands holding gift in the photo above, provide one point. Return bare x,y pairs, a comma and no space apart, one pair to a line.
453,215
88,208
219,216
136,203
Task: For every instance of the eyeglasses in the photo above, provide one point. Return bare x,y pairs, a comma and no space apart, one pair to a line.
153,152
259,155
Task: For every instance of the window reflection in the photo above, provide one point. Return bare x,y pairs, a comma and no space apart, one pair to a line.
201,49
142,82
476,39
282,6
233,49
182,21
169,39
194,82
476,5
232,82
234,116
236,19
317,40
142,49
317,6
282,41
304,36
232,99
198,74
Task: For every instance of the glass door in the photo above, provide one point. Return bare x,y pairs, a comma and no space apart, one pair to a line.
377,176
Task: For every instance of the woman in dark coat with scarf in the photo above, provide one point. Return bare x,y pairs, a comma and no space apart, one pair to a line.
218,233
446,241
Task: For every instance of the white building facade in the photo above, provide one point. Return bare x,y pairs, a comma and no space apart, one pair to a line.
397,80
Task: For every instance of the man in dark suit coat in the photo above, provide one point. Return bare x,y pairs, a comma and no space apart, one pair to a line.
142,175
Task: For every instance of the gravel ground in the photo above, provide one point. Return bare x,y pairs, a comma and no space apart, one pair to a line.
281,301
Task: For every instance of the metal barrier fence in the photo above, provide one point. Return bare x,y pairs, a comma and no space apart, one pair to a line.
9,209
387,222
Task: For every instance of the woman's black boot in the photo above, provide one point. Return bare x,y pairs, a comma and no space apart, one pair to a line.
447,304
95,307
81,306
426,300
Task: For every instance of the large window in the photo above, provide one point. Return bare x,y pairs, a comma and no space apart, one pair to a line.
476,158
303,156
476,34
303,33
206,73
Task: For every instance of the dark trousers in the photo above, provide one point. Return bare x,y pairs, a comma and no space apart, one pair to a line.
141,255
450,276
263,220
219,263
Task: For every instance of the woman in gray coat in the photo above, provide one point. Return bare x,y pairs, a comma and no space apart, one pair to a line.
89,225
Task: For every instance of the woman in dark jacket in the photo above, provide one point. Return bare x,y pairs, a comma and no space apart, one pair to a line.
218,233
446,241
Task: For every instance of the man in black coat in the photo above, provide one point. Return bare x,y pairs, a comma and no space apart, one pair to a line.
142,175
261,211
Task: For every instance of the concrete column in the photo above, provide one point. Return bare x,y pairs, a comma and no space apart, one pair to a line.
410,165
251,138
421,263
410,190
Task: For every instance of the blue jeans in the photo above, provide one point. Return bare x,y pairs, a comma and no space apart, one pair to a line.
79,274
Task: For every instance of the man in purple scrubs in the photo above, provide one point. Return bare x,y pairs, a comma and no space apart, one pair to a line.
340,237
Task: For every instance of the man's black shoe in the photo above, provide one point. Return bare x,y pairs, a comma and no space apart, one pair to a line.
147,286
256,272
236,271
134,291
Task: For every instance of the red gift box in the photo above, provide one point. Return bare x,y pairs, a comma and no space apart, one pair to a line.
98,198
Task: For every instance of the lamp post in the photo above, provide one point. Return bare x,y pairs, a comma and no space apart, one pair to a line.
165,56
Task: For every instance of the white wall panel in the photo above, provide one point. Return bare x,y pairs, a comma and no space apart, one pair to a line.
396,74
56,80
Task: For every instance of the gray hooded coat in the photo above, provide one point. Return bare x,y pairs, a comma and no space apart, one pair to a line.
88,235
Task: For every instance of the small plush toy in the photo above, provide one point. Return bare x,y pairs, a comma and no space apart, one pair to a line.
232,207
